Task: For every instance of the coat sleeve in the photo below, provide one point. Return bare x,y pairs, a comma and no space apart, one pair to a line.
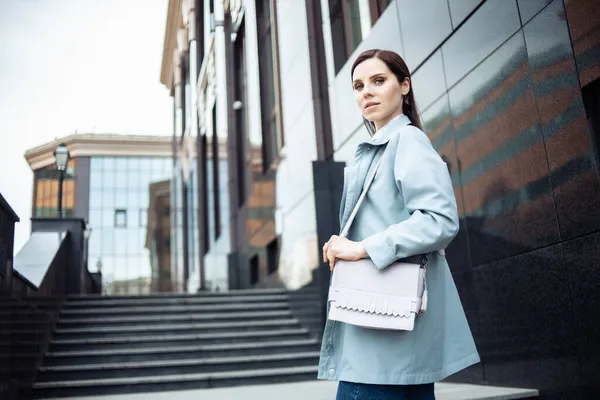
424,180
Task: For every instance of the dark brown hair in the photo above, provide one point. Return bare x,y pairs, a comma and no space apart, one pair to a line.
398,67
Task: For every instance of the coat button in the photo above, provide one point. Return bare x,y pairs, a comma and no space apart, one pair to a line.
331,371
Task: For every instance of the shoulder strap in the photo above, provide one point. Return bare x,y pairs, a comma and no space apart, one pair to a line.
360,199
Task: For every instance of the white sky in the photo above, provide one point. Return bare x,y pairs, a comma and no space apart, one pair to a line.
75,65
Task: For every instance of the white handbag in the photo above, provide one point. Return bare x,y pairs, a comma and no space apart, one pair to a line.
361,294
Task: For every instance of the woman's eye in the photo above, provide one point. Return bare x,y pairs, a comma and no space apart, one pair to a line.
358,86
379,81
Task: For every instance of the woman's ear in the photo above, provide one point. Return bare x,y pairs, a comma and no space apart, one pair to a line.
405,87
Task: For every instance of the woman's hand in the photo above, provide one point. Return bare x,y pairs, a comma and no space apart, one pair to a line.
343,249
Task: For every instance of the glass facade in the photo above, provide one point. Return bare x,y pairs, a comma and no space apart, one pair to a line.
118,215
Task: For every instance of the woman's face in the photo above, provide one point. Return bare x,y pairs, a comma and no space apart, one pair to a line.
377,91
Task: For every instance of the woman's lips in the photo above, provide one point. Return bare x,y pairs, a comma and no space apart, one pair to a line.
371,105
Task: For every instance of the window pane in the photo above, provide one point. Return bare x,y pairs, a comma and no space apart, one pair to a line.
428,82
143,216
108,217
459,9
109,164
489,27
96,163
354,24
120,218
145,164
108,200
95,199
95,180
133,197
133,163
120,241
108,179
143,198
95,241
528,8
121,179
132,216
121,164
419,42
95,218
121,198
108,247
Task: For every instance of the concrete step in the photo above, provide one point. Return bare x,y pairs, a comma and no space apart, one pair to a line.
176,367
104,387
179,352
148,320
62,333
152,341
169,309
322,390
176,301
230,293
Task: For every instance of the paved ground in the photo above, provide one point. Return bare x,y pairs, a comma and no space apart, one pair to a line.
317,391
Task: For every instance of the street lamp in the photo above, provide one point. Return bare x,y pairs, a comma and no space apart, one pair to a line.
61,155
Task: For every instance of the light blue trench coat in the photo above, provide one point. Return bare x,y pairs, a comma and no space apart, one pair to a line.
409,209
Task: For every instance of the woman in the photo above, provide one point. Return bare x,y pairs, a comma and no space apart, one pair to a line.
409,209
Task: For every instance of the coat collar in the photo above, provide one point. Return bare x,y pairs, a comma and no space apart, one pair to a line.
385,134
366,154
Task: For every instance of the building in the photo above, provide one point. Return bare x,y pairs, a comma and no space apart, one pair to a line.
508,92
111,181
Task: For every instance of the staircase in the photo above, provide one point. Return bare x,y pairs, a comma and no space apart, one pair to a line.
113,345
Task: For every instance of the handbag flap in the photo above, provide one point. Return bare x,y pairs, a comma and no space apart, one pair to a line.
399,279
376,303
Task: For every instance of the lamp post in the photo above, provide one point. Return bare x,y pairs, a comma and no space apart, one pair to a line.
61,155
86,236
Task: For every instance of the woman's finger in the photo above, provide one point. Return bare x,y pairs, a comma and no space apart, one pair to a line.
332,263
325,249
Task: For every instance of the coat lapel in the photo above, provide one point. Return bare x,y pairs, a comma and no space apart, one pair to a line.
366,153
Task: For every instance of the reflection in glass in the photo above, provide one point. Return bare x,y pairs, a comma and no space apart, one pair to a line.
565,128
437,123
429,82
503,168
491,25
414,16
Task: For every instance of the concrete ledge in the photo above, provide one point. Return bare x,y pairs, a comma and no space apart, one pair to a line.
318,390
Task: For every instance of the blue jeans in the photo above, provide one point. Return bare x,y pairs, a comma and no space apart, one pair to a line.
362,391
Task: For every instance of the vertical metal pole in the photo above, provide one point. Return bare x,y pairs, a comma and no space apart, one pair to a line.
60,187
